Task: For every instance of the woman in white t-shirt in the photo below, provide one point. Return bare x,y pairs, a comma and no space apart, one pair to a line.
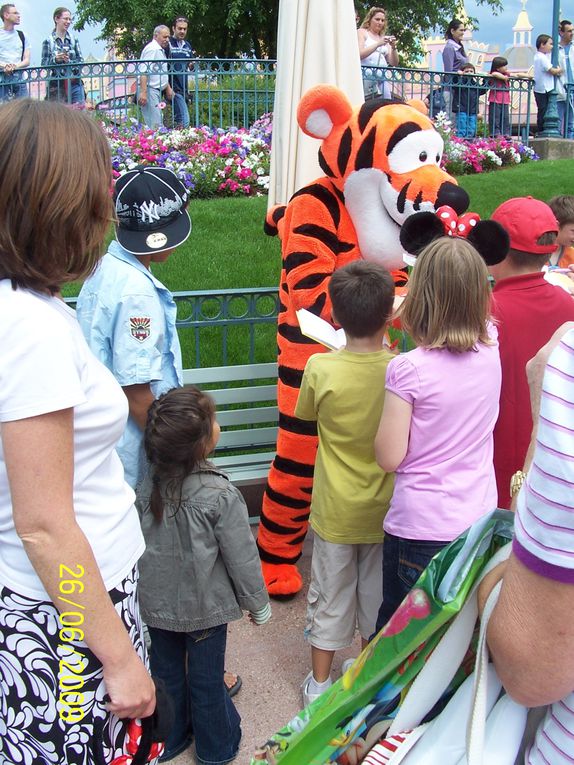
376,49
71,647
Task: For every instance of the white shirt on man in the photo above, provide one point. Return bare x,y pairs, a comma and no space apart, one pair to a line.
154,52
11,46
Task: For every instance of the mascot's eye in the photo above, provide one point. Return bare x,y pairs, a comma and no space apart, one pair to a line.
416,150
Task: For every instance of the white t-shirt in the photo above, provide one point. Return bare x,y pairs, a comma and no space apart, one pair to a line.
11,46
46,366
543,80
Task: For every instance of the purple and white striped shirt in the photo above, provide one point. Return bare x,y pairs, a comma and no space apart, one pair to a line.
544,525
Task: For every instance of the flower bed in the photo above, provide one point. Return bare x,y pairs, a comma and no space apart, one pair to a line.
235,162
480,155
210,162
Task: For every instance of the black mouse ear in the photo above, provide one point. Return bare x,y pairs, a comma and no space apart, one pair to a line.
491,240
419,230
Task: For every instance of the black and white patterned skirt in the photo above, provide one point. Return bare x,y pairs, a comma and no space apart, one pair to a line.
36,727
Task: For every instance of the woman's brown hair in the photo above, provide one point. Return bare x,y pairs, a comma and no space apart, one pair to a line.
55,176
448,302
177,437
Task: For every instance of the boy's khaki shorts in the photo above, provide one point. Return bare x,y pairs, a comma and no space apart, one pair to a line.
345,592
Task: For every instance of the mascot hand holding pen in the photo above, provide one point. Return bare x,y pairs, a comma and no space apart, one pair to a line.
382,164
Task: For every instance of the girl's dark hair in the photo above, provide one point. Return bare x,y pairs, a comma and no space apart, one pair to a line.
452,27
497,62
177,437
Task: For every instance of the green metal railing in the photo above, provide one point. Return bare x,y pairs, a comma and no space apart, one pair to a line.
235,92
439,90
225,327
220,92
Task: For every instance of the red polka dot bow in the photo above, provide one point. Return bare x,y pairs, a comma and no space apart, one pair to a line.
455,225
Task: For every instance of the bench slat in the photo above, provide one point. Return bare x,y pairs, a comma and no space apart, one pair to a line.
249,395
227,374
247,438
247,417
244,461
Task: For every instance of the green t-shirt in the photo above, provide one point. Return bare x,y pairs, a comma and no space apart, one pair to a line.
344,392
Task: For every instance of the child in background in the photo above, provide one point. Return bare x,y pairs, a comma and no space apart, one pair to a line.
465,97
563,209
343,391
499,98
199,570
544,74
441,404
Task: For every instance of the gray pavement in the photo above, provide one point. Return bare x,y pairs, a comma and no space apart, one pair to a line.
272,660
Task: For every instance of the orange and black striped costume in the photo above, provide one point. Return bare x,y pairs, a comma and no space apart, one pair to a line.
381,164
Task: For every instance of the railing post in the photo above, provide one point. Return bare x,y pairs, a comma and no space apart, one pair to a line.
551,123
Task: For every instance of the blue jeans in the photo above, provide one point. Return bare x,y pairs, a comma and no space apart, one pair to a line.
465,125
151,113
404,560
566,114
192,665
12,87
180,110
498,119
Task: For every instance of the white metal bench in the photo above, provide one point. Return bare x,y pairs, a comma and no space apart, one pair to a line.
246,399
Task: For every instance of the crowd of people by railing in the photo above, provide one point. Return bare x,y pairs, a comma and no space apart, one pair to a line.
168,63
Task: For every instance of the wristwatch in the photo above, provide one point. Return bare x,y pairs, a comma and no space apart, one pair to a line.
516,482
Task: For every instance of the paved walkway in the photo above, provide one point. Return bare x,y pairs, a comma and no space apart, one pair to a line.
272,661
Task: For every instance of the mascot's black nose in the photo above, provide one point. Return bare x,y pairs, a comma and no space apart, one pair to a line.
454,196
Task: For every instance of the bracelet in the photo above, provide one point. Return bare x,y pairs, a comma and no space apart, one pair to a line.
516,482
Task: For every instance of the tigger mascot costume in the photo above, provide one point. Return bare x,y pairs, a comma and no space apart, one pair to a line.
381,163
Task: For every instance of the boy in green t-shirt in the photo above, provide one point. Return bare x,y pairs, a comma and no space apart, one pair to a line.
344,391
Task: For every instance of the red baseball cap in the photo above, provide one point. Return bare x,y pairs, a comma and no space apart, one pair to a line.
526,219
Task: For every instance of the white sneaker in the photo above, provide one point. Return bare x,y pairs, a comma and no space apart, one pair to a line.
346,665
307,696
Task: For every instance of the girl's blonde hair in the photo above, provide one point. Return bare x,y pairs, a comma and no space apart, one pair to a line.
448,303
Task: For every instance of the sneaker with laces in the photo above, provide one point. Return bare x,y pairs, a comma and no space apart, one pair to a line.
308,696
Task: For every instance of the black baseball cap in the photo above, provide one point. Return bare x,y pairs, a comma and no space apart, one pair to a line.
151,209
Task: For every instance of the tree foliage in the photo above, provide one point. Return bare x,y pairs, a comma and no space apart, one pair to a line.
223,28
227,28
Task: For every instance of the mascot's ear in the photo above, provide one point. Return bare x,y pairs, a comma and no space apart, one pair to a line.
419,105
488,237
491,240
321,108
419,230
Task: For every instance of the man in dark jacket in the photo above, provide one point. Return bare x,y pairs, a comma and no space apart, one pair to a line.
180,49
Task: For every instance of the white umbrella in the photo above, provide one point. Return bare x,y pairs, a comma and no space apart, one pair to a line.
316,43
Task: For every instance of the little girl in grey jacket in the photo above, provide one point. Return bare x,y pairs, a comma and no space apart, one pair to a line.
199,571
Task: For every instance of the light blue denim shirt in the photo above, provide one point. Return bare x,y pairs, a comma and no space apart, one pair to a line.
128,318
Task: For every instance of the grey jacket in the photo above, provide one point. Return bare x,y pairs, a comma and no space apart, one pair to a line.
200,567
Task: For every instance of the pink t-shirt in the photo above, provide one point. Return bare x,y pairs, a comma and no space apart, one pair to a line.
446,480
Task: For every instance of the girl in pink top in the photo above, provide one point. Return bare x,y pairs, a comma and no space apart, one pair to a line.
441,405
499,97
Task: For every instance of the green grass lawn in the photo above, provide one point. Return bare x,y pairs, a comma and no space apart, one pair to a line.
227,248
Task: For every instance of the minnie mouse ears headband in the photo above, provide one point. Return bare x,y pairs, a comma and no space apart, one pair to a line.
488,237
